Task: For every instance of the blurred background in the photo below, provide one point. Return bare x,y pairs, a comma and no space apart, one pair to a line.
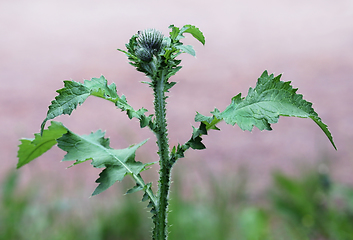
309,42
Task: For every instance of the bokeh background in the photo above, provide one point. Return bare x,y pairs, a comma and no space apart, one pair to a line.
309,42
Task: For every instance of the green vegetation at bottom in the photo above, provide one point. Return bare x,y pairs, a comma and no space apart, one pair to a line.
309,206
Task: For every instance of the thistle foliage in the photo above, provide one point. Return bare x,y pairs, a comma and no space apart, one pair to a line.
154,54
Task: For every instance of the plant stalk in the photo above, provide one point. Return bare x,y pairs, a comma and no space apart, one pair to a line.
160,229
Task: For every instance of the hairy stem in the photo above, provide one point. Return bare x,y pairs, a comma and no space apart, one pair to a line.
160,229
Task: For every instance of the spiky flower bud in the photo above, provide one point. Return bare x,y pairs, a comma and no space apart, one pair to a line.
144,54
149,42
150,39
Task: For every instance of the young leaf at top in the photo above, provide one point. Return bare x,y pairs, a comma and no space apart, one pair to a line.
264,104
194,31
187,49
176,34
33,148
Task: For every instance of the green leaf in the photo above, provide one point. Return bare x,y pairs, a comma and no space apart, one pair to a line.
187,49
172,72
117,162
194,31
202,118
132,113
33,148
134,189
324,128
124,163
110,175
264,104
99,87
73,94
85,147
199,131
168,85
209,122
196,143
176,34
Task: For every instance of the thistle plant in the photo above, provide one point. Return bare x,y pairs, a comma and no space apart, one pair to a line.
156,55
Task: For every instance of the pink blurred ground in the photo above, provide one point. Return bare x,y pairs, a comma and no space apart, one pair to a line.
310,42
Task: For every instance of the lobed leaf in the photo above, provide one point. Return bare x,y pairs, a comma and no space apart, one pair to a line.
72,95
209,122
195,142
29,149
270,99
194,31
117,162
176,34
75,93
99,87
132,113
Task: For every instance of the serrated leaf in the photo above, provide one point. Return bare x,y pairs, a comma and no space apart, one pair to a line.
324,128
72,95
196,143
117,162
270,99
177,34
85,147
75,93
199,131
109,176
209,122
95,147
33,148
132,113
99,87
174,33
195,32
202,118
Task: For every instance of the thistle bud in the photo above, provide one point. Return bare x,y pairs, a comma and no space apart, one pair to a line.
144,54
149,42
150,39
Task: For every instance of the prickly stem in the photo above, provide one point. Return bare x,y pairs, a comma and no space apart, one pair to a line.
161,225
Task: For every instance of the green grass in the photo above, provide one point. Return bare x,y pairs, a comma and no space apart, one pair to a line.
309,206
